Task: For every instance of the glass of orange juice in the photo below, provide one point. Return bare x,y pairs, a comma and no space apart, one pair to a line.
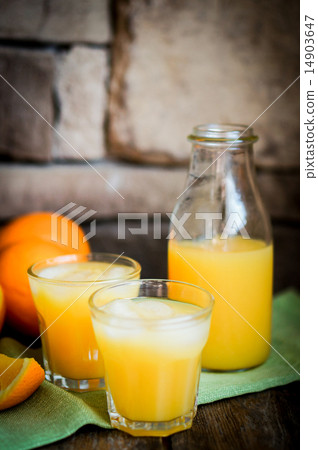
151,342
61,288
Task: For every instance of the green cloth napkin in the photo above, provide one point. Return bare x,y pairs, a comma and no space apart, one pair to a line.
51,413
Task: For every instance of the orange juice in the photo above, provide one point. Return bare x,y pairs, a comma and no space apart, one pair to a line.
60,294
152,368
238,272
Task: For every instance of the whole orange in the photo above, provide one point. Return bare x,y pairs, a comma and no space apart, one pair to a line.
14,262
24,241
2,308
39,224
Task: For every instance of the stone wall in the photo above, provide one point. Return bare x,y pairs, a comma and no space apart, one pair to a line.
98,97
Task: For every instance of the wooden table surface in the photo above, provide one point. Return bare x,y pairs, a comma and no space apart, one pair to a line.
265,420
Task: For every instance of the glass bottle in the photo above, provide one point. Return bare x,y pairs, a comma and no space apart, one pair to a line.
221,240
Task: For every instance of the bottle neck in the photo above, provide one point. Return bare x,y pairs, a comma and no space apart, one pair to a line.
221,195
221,166
224,182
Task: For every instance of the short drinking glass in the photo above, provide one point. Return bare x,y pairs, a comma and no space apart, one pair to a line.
151,334
61,288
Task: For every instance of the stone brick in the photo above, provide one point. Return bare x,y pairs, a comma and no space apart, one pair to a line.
81,83
56,20
179,64
23,133
25,188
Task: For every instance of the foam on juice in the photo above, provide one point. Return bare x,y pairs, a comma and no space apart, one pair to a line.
84,271
147,332
149,308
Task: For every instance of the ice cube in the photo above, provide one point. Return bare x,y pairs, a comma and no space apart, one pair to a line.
49,272
79,275
122,308
66,272
115,272
153,309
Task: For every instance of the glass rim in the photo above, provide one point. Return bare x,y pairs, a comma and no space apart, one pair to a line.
122,321
79,257
222,133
